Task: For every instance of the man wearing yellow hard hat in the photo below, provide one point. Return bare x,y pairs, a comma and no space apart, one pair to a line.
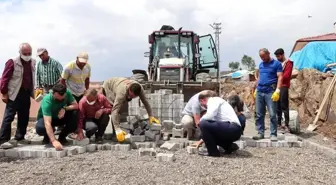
118,90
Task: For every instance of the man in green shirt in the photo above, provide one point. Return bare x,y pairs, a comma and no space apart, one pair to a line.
58,108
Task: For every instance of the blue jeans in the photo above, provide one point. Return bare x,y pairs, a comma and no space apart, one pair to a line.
263,100
242,120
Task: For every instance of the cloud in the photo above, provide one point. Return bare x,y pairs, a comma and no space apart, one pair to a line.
115,32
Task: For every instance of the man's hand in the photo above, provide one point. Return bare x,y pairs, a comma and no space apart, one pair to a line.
61,113
57,145
276,95
255,94
120,134
80,136
4,98
99,113
198,143
153,120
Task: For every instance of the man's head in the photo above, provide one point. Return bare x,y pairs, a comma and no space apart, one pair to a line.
204,96
134,90
59,91
264,55
43,54
91,96
82,59
25,51
280,54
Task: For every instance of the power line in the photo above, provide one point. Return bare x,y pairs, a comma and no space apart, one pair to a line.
217,32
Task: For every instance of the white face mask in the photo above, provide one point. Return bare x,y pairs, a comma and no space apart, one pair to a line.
25,58
90,103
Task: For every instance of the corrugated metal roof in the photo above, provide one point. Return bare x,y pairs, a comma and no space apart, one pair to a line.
325,37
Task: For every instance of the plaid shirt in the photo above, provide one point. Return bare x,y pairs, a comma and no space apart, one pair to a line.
48,73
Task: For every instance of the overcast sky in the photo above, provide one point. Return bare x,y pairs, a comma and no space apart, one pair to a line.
115,32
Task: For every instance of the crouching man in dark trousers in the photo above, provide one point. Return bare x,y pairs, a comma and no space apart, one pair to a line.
58,108
219,126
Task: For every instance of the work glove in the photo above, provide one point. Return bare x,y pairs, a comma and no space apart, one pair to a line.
255,94
38,92
120,134
276,95
153,120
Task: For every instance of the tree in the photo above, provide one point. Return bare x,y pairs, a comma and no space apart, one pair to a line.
234,65
248,62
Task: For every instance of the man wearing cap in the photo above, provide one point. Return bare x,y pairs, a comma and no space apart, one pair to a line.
48,71
76,75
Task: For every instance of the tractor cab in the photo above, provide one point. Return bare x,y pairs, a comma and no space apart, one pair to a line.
179,55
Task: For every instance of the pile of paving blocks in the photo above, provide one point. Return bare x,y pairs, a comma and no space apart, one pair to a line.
165,105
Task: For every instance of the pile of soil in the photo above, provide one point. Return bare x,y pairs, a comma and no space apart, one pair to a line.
305,95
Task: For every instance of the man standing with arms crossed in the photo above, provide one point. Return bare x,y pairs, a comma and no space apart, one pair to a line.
268,93
283,104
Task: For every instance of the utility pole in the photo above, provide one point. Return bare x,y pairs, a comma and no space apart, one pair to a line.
217,31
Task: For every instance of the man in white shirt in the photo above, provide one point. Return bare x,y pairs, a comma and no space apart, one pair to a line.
220,126
192,113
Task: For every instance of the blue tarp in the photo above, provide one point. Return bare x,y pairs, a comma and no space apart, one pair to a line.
315,55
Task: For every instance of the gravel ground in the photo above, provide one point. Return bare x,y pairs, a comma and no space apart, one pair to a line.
250,166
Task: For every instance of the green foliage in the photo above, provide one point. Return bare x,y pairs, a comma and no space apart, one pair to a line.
248,62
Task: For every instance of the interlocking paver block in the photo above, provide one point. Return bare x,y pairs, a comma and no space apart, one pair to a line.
150,135
155,126
83,142
164,157
251,143
178,132
121,147
72,151
192,150
170,146
2,153
135,138
106,146
59,154
99,147
132,119
298,144
23,153
144,145
276,144
284,144
178,126
81,149
241,144
263,143
91,147
125,125
147,151
11,153
291,139
137,131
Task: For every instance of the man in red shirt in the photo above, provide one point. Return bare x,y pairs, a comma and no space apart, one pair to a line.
94,110
283,104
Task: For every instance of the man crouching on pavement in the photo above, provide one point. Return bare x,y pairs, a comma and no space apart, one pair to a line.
192,114
57,109
94,110
219,126
119,90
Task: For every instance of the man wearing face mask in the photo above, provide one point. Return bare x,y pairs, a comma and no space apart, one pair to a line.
119,90
48,71
17,86
94,110
58,108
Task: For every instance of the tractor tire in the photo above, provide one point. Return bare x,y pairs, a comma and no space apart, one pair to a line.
203,77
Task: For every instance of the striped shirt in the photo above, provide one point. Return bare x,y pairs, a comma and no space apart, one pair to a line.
48,73
75,77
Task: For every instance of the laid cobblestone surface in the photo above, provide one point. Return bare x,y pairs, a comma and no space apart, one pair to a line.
276,166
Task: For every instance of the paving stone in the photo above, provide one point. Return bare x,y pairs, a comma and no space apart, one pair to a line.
178,126
11,153
83,142
72,151
251,143
166,137
2,153
192,150
281,137
137,131
177,132
125,125
23,153
168,126
144,145
81,149
59,154
37,140
263,143
298,144
150,135
155,126
132,119
99,147
147,151
170,146
121,147
136,138
41,153
91,147
108,136
164,157
277,144
284,144
291,139
241,144
106,146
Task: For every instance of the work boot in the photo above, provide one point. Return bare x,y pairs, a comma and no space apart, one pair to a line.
63,140
258,137
23,141
99,140
234,147
273,138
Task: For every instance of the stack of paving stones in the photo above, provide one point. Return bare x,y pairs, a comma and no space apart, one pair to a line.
165,105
